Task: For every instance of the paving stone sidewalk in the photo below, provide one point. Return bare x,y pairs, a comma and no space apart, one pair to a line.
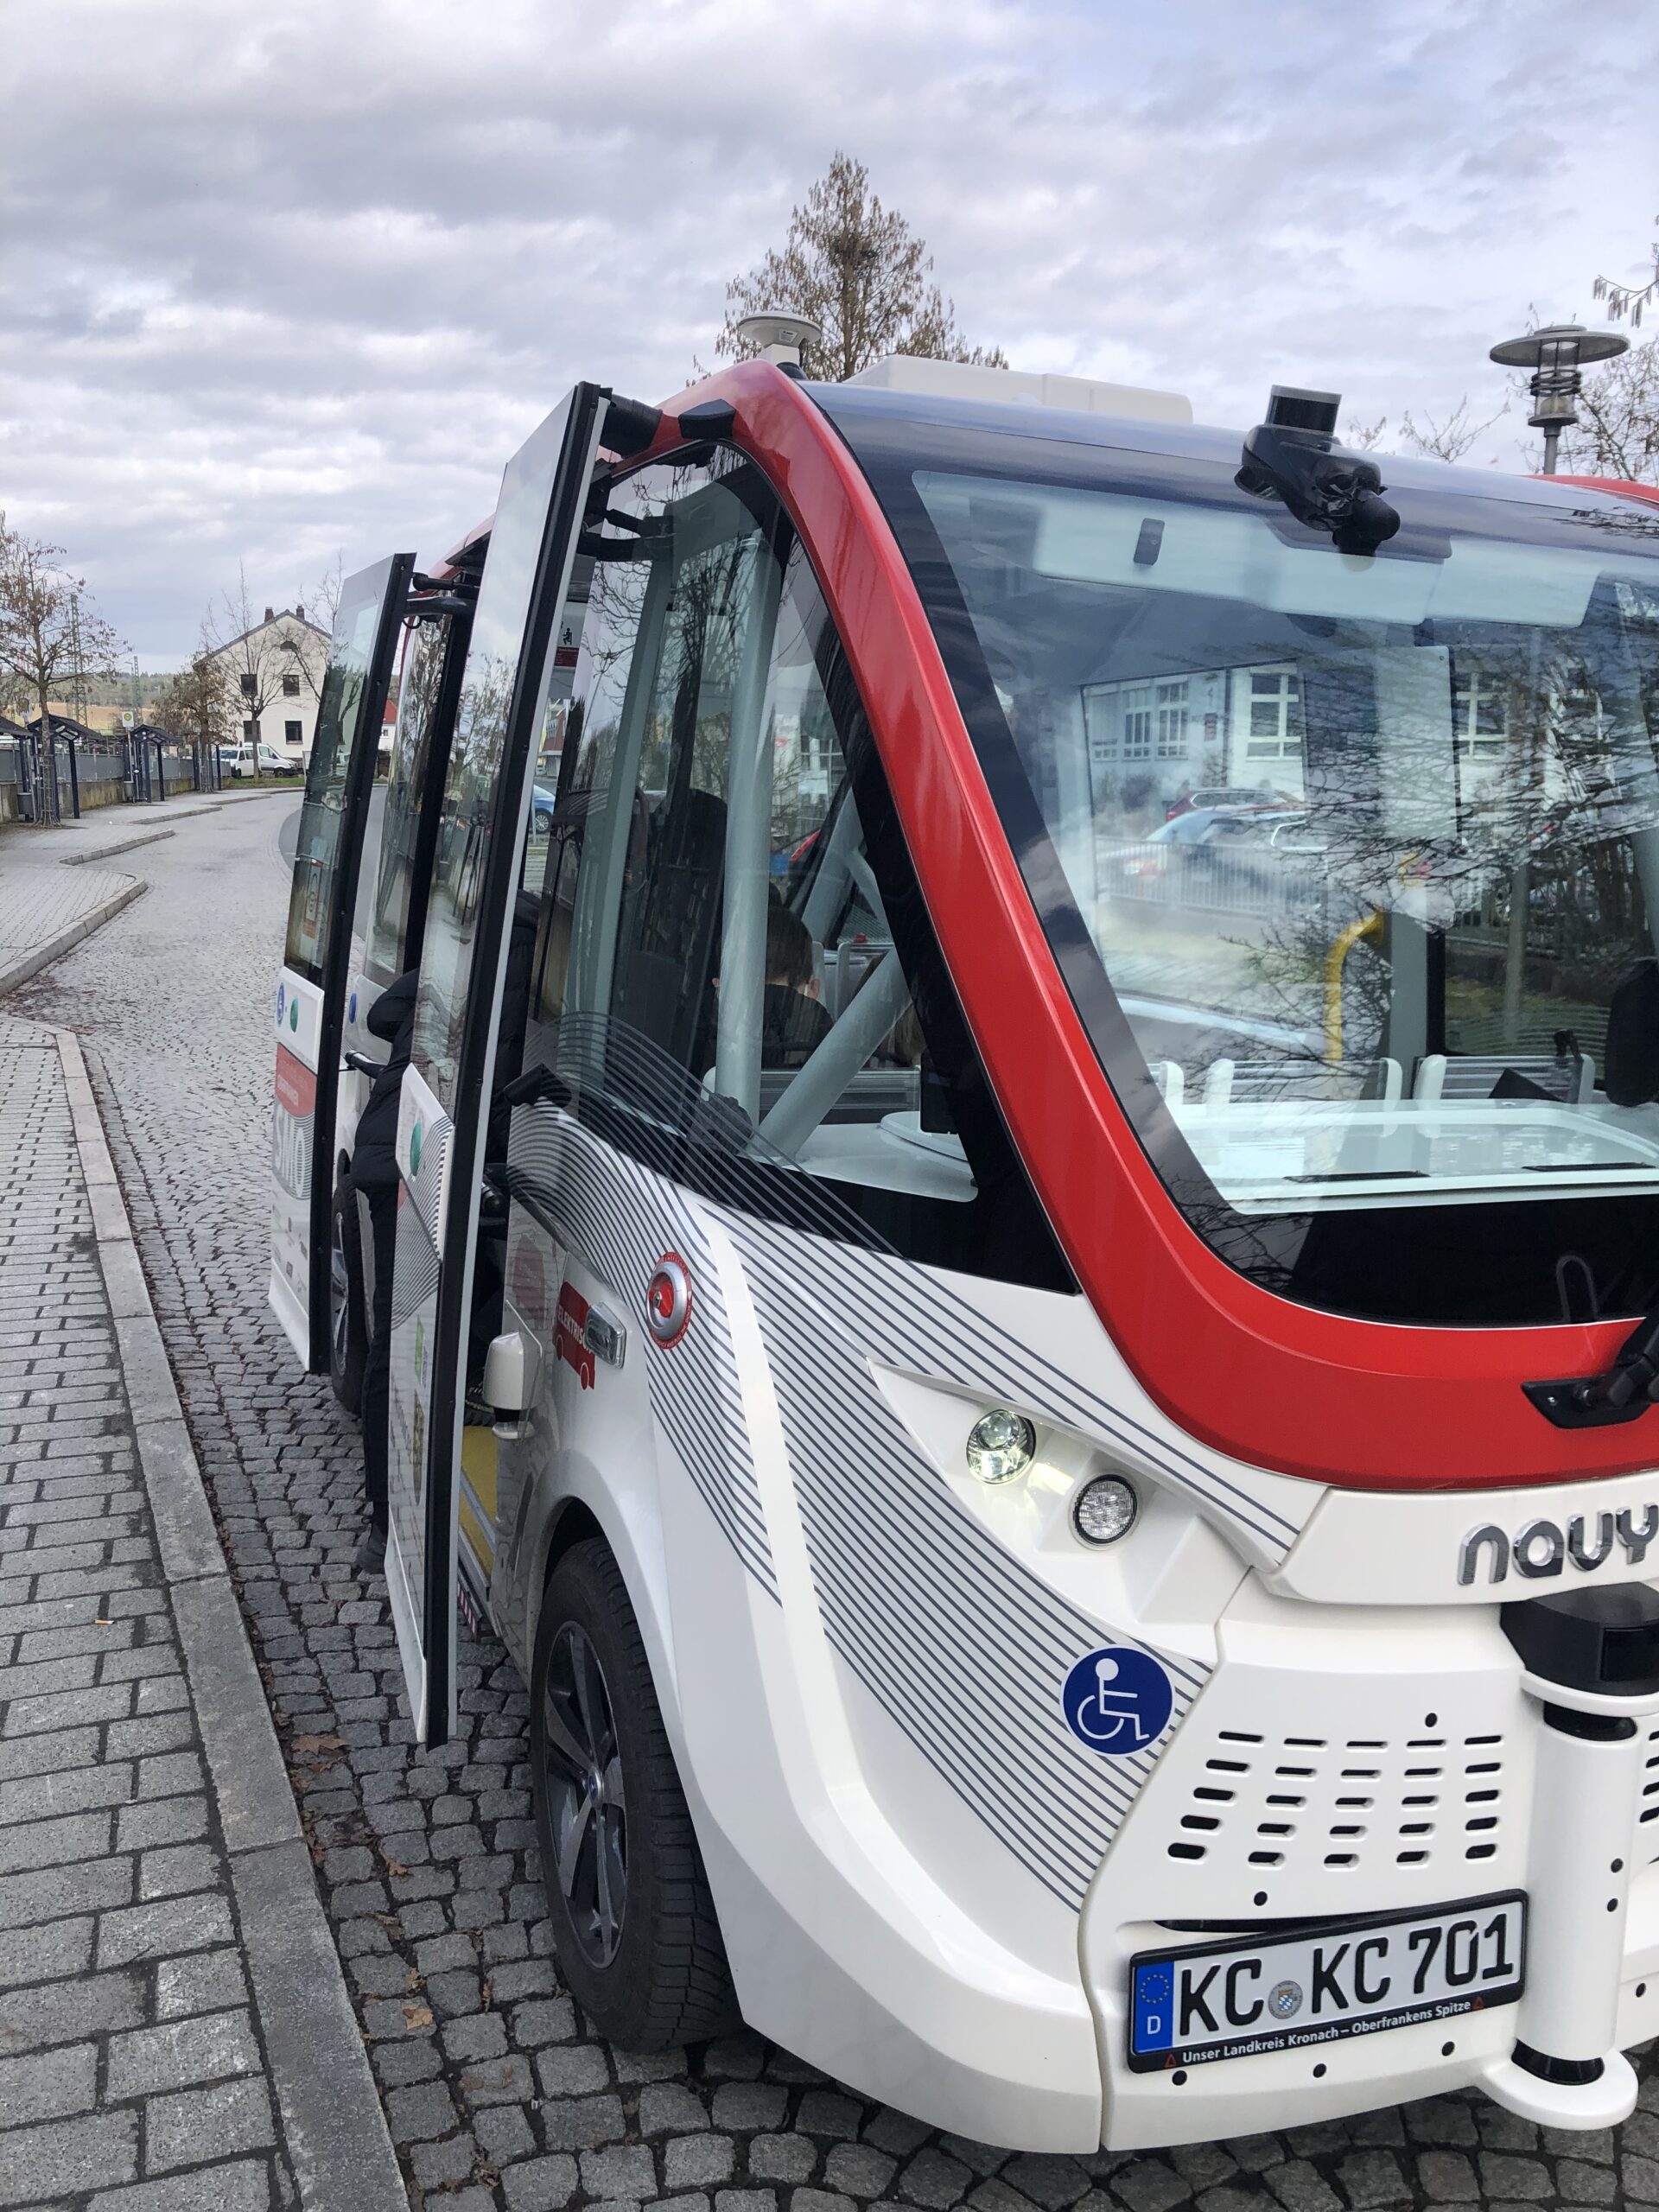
156,1899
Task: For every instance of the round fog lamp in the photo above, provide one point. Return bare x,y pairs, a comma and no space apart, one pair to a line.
1000,1446
1105,1509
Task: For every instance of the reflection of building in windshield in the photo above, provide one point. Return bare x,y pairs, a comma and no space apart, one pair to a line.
1153,740
1368,848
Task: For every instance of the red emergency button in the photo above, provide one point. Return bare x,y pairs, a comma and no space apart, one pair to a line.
668,1300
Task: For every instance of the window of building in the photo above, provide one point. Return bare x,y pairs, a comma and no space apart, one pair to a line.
1479,717
293,733
290,687
1275,729
249,731
1172,721
1137,723
250,685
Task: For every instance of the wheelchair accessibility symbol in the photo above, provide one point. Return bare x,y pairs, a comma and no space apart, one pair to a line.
1117,1700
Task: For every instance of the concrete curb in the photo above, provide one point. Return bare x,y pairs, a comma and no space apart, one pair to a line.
108,852
336,2132
43,956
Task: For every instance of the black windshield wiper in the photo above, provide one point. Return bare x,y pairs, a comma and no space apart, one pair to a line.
1360,1175
1589,1166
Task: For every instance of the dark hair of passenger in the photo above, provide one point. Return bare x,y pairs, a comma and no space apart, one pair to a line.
789,949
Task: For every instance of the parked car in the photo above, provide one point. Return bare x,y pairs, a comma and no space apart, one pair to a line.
1248,797
239,758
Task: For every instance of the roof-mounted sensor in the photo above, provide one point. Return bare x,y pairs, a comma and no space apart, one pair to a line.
1294,456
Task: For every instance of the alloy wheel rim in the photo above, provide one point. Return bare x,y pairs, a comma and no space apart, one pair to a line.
339,1298
586,1805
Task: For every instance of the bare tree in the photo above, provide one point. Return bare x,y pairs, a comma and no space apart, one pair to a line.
322,599
1448,439
1628,299
51,635
855,268
1617,429
323,595
197,702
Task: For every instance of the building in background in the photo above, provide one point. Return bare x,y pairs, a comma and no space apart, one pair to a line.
275,673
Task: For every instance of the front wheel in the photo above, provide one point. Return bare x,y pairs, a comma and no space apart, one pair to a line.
634,1921
348,1334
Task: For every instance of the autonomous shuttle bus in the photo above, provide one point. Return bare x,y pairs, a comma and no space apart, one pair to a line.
1027,1236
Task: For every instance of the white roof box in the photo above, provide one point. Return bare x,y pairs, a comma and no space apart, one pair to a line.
1021,388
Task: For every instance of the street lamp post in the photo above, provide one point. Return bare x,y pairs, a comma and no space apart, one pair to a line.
1556,355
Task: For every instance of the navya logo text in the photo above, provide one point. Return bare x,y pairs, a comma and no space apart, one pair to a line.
1541,1548
1117,1700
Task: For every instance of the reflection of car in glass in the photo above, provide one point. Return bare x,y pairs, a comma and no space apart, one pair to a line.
1166,847
1081,1392
541,810
1244,796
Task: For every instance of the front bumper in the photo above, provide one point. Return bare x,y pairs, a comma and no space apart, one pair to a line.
1343,1761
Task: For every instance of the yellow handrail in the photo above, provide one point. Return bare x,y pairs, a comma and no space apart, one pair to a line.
1341,945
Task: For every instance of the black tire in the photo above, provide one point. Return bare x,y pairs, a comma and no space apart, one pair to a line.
348,1332
658,1977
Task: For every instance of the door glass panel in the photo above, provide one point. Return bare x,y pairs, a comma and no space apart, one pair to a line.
318,852
419,686
467,969
472,796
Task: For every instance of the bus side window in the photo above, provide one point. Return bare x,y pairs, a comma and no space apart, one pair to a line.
715,925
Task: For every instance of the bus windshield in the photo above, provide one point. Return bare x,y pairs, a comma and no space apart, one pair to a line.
1365,852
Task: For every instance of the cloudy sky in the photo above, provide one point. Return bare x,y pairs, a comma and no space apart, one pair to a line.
282,279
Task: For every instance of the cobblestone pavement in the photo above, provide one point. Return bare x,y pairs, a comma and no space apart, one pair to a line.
496,2093
130,2042
38,900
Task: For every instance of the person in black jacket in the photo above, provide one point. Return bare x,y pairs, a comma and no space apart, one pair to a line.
374,1173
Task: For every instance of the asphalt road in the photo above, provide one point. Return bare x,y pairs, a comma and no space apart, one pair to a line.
496,2093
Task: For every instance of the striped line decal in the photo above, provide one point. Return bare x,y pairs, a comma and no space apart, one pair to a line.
417,1268
621,1218
908,1319
965,1646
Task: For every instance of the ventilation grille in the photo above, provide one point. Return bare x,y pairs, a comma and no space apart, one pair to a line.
1647,1817
1305,1802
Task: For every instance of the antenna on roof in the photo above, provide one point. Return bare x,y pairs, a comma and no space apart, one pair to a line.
779,335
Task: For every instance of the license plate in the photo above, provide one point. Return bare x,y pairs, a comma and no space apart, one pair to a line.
1318,1985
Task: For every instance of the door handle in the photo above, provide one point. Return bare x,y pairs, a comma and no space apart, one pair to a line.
605,1339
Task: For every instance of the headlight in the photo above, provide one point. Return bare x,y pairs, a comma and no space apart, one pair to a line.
1104,1509
1000,1446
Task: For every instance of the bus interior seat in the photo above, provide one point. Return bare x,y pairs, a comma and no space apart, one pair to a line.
1569,1076
1237,1082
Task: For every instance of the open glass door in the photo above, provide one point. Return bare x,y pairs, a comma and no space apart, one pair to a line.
512,664
316,960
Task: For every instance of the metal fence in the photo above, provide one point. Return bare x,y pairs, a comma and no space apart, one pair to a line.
1262,884
58,776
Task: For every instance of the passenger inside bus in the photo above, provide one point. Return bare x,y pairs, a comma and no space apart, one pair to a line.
793,1021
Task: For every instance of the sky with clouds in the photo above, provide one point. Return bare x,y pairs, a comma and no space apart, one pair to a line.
280,281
